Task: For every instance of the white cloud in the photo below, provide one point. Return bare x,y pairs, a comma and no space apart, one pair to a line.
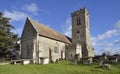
94,41
107,49
107,34
15,15
99,41
117,42
20,15
33,8
111,50
110,47
106,45
17,31
68,27
117,25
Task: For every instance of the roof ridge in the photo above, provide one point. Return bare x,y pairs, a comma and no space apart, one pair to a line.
44,25
47,31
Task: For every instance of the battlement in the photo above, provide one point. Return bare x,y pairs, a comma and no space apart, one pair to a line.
79,11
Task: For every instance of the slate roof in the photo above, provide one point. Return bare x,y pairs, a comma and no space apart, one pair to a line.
45,31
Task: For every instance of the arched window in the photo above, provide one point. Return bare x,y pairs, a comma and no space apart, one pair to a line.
78,32
56,48
78,21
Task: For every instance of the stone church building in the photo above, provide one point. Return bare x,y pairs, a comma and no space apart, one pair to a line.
40,42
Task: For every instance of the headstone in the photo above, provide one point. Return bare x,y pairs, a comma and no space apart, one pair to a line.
106,66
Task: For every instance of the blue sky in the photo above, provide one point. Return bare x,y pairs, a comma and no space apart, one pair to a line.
104,18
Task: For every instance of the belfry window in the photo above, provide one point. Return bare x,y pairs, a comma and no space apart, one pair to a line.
78,32
78,21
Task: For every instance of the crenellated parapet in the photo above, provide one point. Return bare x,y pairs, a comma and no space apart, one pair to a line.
79,11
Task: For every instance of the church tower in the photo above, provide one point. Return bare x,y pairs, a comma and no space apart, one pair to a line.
81,32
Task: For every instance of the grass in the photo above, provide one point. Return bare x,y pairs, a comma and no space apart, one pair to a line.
64,67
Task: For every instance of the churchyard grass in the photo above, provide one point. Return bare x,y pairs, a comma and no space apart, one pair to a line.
63,67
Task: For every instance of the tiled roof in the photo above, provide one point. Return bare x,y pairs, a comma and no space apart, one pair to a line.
48,32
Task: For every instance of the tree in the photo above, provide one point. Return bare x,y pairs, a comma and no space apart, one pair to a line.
8,39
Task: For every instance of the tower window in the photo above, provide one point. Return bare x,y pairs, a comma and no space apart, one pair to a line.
78,31
78,21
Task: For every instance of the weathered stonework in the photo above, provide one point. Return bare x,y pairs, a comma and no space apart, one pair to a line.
72,50
81,32
81,36
38,47
40,43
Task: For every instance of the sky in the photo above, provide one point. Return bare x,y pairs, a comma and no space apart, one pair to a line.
56,14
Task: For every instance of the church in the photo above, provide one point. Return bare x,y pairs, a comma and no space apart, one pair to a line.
40,42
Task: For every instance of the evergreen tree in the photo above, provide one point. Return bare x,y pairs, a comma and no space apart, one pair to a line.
8,40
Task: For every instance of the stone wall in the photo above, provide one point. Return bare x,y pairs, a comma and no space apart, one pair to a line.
27,41
72,50
69,52
46,45
81,32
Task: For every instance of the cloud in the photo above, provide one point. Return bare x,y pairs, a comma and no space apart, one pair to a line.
117,25
106,45
107,34
112,51
15,15
19,15
17,31
33,8
117,42
111,47
99,41
68,27
93,41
